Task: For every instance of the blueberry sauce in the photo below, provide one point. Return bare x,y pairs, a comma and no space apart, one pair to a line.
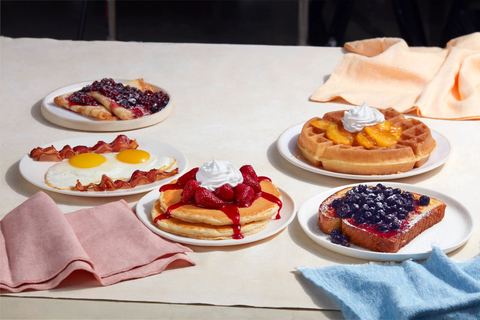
381,210
140,103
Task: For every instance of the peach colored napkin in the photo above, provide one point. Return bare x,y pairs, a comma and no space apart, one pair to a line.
40,246
387,73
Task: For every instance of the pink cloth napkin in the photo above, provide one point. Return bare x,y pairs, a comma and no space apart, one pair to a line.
40,246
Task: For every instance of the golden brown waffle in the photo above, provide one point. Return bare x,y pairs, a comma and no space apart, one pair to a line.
412,150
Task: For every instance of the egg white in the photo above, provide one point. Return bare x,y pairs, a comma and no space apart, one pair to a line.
64,176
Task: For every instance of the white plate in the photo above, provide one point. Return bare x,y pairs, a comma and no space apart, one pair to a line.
34,171
287,146
145,205
69,119
453,231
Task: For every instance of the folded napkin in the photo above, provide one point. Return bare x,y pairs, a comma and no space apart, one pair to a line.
40,246
437,288
387,73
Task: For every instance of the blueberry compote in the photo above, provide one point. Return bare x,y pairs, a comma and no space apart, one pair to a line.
140,103
378,209
338,238
82,99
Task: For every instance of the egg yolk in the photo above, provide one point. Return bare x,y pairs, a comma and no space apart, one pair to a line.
87,160
133,156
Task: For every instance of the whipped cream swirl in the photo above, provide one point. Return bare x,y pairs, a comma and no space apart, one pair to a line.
361,116
214,174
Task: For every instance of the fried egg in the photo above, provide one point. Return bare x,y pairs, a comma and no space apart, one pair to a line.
89,167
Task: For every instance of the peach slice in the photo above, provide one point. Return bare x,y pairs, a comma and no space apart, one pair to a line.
385,126
396,131
382,138
364,140
337,135
321,124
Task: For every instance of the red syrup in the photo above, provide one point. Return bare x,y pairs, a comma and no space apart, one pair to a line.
229,209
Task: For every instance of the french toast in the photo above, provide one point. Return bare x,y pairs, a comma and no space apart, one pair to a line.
379,218
412,150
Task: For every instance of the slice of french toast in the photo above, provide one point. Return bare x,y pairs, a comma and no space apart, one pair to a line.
379,218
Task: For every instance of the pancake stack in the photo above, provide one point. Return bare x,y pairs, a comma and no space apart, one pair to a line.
230,221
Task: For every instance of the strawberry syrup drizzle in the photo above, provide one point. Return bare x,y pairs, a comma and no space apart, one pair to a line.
229,209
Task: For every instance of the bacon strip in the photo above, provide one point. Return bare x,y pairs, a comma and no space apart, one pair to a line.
120,143
138,178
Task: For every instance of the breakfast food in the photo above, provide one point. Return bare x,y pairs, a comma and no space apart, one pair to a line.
217,201
103,167
120,143
378,218
96,171
366,141
109,100
83,103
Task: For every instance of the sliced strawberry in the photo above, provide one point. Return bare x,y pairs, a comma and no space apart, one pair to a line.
189,189
190,175
206,198
248,170
243,194
250,181
225,192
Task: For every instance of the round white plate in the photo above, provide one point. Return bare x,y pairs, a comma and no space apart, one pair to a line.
145,205
34,171
453,231
287,146
69,119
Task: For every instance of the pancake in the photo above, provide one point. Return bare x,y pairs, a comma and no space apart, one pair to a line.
261,208
203,231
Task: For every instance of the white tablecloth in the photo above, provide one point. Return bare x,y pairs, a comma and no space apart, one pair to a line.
232,103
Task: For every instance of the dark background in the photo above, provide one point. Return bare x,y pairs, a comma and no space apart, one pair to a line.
269,22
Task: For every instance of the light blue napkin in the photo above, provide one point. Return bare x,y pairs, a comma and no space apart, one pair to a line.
437,288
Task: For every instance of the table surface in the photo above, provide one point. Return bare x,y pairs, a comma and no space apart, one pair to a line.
232,102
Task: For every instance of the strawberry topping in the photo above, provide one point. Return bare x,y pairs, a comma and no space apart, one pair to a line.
205,198
225,192
190,175
189,189
248,170
243,194
250,180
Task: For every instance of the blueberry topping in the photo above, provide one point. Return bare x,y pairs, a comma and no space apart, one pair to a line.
424,200
140,103
383,228
339,238
382,208
336,203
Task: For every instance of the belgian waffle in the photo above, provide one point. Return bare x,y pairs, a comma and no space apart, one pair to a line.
412,150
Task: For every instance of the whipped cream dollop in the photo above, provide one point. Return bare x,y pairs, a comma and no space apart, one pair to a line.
214,174
361,116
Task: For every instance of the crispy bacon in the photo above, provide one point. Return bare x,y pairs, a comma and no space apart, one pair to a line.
138,178
120,143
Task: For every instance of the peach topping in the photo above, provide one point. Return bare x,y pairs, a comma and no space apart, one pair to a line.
384,134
